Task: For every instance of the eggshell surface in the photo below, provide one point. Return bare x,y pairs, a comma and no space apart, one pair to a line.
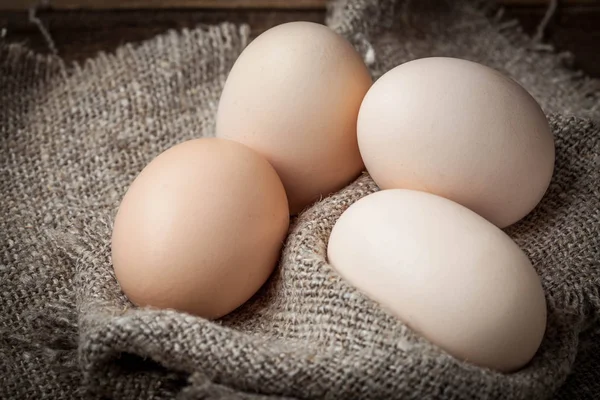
460,130
293,95
446,272
200,228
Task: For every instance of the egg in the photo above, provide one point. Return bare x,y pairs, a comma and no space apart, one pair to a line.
200,228
446,272
293,95
460,130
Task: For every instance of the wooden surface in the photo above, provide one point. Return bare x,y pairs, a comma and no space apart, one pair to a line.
137,4
79,34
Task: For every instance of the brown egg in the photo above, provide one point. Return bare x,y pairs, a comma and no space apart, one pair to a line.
200,229
293,95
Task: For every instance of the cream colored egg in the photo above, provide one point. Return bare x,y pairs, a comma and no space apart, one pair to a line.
460,130
448,273
293,95
200,228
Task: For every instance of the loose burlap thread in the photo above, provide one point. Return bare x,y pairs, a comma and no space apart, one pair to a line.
72,139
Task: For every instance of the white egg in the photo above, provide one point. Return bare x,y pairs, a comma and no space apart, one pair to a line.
460,130
446,272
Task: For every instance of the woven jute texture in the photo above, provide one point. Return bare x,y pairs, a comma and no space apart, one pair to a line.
72,138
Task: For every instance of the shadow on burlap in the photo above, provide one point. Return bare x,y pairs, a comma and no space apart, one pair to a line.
74,137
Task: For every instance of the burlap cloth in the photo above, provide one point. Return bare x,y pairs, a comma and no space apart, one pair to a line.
72,138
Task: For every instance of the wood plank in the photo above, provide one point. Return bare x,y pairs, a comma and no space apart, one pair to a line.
275,4
573,29
79,34
546,2
144,4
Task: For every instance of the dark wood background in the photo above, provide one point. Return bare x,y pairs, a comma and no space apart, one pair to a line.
81,28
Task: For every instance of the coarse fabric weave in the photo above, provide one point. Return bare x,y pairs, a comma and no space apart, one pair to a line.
72,139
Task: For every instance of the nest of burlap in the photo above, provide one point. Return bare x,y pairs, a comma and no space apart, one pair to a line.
72,139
